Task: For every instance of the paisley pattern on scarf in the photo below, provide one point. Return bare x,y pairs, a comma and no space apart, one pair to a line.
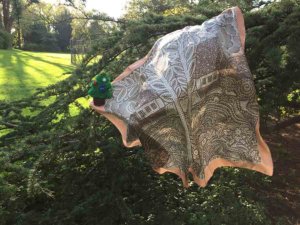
193,100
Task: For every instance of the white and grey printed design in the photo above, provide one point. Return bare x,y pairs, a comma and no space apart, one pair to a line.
193,100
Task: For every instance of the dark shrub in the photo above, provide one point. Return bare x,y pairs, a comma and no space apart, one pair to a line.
5,40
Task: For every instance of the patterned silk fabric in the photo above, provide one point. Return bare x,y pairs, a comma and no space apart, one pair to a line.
192,103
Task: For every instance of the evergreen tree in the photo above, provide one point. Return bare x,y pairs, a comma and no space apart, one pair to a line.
63,28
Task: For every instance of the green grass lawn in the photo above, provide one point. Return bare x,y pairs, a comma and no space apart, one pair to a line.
21,72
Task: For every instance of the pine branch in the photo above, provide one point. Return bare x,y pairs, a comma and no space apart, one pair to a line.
8,125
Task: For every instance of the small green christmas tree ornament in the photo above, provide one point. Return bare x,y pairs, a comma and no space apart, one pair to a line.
100,89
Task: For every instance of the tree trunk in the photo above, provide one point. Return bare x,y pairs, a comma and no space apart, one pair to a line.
1,19
19,32
7,19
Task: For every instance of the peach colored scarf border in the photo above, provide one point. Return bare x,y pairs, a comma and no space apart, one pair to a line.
266,165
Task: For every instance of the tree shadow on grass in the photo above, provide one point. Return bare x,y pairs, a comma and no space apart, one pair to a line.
12,81
65,67
16,82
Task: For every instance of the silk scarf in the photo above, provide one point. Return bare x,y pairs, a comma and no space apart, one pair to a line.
191,102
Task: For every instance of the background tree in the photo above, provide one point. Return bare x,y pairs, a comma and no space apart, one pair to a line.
63,28
47,28
17,13
10,13
139,8
11,9
7,18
